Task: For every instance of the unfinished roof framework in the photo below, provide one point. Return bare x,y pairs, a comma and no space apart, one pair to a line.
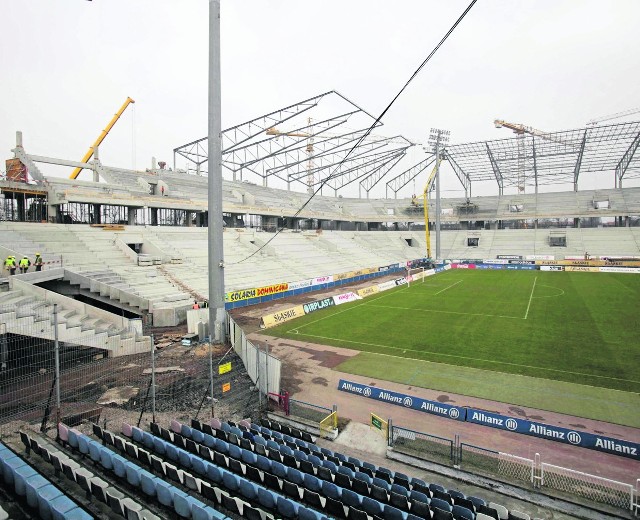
556,158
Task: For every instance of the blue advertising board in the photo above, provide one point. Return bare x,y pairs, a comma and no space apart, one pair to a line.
555,433
408,401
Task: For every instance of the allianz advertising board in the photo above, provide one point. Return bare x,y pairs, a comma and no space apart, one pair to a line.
407,401
555,433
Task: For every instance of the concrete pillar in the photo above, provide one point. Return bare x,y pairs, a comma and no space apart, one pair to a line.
131,216
188,217
627,221
52,212
576,222
154,216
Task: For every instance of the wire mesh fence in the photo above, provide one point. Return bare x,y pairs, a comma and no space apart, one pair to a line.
64,366
308,411
422,445
495,464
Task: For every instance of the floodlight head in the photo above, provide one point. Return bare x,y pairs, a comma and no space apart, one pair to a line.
438,137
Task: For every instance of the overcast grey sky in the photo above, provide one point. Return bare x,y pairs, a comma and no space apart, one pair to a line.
68,65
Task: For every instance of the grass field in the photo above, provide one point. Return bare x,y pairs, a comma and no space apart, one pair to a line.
574,336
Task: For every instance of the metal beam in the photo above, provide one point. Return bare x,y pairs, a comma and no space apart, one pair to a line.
496,170
622,166
62,162
375,177
576,169
535,162
404,178
463,177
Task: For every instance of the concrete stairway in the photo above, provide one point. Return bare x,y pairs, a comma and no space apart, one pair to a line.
28,315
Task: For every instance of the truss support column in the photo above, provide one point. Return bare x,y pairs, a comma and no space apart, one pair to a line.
496,171
217,314
622,166
576,169
535,163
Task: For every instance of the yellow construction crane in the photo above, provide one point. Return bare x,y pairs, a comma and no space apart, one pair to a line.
89,154
425,202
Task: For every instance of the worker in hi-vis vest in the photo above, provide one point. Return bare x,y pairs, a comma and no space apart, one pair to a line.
10,264
25,263
38,262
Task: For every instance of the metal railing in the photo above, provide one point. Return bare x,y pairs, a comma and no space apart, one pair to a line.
308,411
422,445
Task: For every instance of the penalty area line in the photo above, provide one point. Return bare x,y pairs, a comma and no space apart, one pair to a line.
531,297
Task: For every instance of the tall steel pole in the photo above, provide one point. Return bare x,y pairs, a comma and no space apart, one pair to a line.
438,257
56,348
217,315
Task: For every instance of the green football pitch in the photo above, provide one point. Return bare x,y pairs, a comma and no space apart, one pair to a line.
561,341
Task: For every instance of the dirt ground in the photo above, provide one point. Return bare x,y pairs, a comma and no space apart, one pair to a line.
309,374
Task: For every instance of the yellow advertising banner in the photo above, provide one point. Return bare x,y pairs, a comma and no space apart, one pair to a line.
344,276
368,291
223,369
246,294
271,320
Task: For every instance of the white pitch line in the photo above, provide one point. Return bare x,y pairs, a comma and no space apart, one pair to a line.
448,287
448,312
531,297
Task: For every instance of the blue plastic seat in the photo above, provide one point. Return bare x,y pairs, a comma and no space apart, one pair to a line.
20,477
401,490
381,483
203,512
392,513
330,466
133,475
73,438
46,495
346,471
222,446
94,451
267,498
214,473
148,483
460,512
235,451
83,444
137,434
279,469
248,457
295,475
308,514
208,440
172,452
159,446
32,485
417,496
264,464
181,503
372,507
312,483
230,481
248,490
441,504
198,465
329,489
349,498
363,476
287,508
315,460
119,465
106,458
9,467
76,513
165,493
184,458
61,505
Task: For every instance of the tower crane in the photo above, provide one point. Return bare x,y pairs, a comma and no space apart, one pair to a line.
274,131
520,130
610,117
103,134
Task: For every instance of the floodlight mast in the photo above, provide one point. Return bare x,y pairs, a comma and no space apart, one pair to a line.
217,315
438,138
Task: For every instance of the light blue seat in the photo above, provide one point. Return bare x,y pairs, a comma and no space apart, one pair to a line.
315,460
267,498
259,440
20,477
181,503
372,507
95,450
356,462
462,513
77,513
279,469
381,483
164,492
205,513
214,473
225,427
441,504
273,445
248,490
73,438
137,434
248,457
286,450
222,446
46,495
330,466
230,481
148,483
401,490
83,444
159,446
301,443
184,458
295,475
340,456
198,465
326,452
133,475
235,452
287,508
277,435
197,436
346,471
9,467
236,431
119,466
208,440
363,476
186,431
148,440
264,463
32,485
62,504
172,452
368,465
419,496
300,455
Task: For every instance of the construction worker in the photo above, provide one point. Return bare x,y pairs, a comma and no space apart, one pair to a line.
195,305
38,262
24,265
10,265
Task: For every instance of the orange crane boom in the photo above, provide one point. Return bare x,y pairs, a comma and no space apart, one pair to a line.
89,154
